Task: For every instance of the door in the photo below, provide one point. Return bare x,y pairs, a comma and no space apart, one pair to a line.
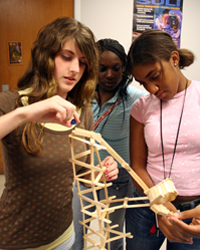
20,21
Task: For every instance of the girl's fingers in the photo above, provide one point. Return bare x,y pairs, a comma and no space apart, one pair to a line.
76,117
112,172
57,110
107,161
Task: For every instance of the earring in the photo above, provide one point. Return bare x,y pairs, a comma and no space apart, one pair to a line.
175,64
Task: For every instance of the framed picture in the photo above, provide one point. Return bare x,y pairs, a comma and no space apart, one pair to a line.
15,52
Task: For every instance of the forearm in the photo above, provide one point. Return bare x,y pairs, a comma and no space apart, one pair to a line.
143,174
54,109
139,153
11,121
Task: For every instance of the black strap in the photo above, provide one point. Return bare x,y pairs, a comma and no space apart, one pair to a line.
177,135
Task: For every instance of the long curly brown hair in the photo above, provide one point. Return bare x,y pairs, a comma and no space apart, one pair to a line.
39,76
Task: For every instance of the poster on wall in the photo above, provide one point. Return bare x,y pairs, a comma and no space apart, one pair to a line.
165,15
15,52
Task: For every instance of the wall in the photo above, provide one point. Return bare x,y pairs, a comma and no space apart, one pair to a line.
107,18
20,21
113,18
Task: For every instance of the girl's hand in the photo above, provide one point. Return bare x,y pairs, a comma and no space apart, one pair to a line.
54,110
111,172
189,231
168,229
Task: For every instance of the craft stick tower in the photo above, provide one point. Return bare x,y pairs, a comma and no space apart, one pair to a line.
157,196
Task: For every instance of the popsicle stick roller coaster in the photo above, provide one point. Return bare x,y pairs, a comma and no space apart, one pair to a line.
157,195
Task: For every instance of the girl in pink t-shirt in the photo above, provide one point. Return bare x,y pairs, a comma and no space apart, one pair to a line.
164,138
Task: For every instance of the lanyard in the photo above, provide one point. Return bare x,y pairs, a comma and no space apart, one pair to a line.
161,133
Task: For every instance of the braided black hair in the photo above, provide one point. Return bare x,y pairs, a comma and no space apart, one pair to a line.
118,49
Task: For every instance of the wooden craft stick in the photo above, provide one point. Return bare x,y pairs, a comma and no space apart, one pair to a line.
111,151
159,194
93,231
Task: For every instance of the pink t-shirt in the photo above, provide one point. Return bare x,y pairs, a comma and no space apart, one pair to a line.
186,166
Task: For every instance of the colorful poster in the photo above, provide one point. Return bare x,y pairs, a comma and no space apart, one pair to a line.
165,15
15,52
